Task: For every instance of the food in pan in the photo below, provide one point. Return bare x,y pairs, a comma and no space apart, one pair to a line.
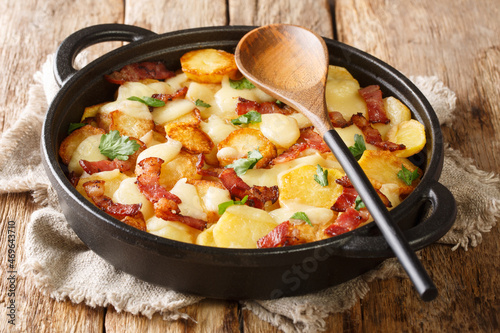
202,156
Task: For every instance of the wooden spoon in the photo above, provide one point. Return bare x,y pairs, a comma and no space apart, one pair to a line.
291,64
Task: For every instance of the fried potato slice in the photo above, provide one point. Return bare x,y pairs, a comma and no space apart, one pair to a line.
92,111
382,167
130,126
208,65
243,140
182,166
72,141
193,139
298,185
411,133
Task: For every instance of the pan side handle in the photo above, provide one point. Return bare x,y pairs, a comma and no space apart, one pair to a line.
81,39
426,232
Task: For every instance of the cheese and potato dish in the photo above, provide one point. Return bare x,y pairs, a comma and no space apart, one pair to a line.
202,156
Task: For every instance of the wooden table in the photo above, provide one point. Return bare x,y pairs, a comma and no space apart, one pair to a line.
459,41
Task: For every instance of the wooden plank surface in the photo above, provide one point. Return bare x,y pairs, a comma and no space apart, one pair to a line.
456,40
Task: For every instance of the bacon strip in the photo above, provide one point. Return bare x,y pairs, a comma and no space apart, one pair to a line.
148,181
210,172
338,119
257,195
349,194
282,235
290,154
373,98
165,203
372,135
92,167
347,221
168,97
313,139
140,71
128,213
244,106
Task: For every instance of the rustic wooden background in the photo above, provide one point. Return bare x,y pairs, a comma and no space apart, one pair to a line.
459,41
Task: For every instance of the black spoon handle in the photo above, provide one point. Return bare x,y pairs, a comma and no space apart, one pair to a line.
390,230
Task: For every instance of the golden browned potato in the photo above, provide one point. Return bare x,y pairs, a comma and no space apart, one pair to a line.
130,126
182,166
239,142
71,142
193,139
209,65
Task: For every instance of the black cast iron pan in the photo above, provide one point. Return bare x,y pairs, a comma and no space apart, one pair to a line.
425,216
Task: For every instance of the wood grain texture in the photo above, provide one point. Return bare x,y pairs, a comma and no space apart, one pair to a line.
459,41
312,14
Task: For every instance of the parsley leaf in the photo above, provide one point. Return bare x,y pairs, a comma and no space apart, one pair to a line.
149,101
407,176
241,84
321,176
241,165
223,206
201,103
113,145
74,126
302,216
359,146
251,117
358,204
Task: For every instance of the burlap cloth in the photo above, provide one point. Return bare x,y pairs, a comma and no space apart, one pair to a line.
64,268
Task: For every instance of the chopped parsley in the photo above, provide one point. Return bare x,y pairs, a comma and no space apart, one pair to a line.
407,176
149,101
241,165
223,206
301,216
241,84
251,117
201,103
359,146
358,204
321,176
75,126
114,145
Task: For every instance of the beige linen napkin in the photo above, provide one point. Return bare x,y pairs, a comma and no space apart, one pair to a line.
64,268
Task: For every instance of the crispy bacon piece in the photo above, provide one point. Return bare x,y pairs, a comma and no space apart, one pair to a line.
290,154
148,181
372,135
168,215
373,98
168,97
338,119
210,172
245,105
283,234
313,139
347,221
140,71
349,194
345,200
128,213
92,167
257,195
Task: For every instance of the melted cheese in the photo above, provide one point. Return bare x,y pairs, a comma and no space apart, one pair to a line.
281,130
128,193
166,151
216,128
172,110
132,108
191,202
87,150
